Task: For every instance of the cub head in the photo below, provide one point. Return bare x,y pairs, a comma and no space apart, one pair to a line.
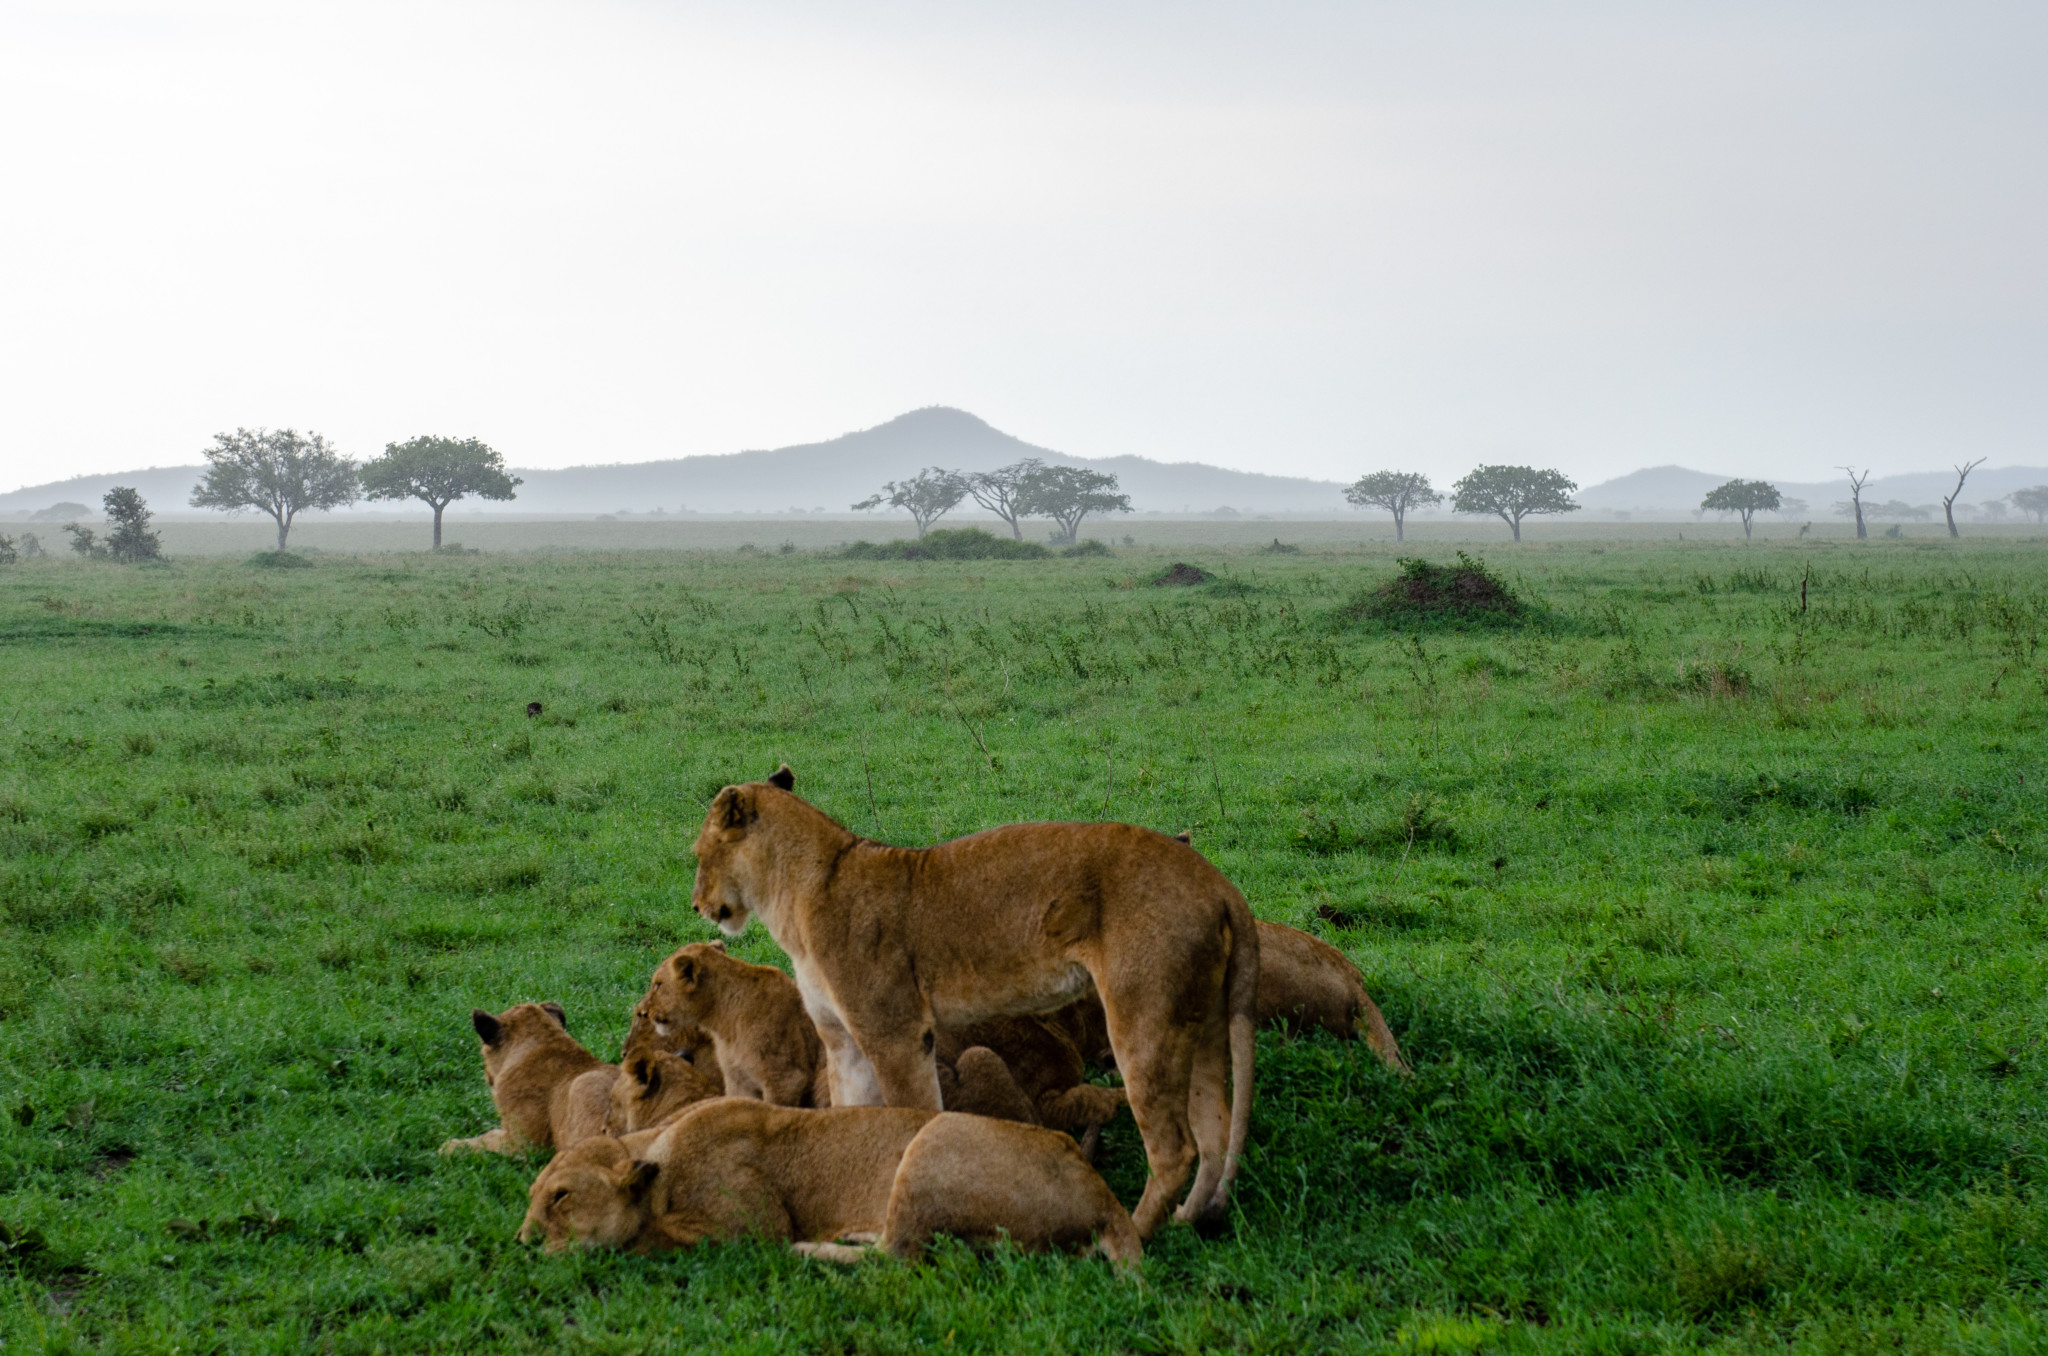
594,1195
507,1033
684,989
651,1088
727,849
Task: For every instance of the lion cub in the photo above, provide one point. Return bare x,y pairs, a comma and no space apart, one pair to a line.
550,1091
1025,1069
654,1087
765,1045
735,1167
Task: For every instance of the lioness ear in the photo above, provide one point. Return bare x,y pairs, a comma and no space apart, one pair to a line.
1186,836
555,1011
488,1028
734,809
783,778
650,1078
640,1178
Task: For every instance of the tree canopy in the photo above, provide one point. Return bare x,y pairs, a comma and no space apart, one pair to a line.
437,472
280,472
1514,493
1394,491
1746,497
1067,494
131,539
926,496
996,491
2033,500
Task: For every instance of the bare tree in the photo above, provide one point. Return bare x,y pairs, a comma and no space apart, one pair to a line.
1394,491
1948,501
1856,499
996,490
926,496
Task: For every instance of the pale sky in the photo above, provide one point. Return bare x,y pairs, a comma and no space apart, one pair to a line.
1313,239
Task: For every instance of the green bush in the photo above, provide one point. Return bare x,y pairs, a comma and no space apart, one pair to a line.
960,543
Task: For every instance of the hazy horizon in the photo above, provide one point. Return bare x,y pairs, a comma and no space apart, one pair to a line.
1301,239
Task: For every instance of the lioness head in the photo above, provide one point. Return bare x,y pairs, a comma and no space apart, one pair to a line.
505,1032
595,1195
723,848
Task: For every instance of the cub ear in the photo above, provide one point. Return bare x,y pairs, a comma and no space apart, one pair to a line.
783,778
1185,836
637,1070
488,1028
734,809
686,974
555,1011
650,1078
640,1178
718,946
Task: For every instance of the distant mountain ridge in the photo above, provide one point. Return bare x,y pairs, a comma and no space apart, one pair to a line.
829,475
1678,489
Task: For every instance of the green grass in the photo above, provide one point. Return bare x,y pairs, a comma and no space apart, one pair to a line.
1714,931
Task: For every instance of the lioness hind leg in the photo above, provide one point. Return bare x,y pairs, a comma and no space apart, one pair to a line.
1209,1116
1156,1061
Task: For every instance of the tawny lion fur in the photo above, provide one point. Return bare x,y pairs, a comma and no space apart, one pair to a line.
1305,982
889,944
654,1087
764,1044
551,1093
733,1168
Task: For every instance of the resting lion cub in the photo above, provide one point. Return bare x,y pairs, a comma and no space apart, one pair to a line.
889,944
766,1047
735,1167
550,1091
652,1088
1025,1069
728,1168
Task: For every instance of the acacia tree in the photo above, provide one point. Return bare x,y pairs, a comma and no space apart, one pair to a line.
996,491
1948,501
1514,493
927,496
1856,499
2034,501
1394,491
437,472
1067,494
281,473
131,539
1746,497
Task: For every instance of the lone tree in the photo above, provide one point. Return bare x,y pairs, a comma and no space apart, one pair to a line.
131,540
1396,492
437,472
2034,501
996,491
279,472
1514,493
1746,497
1067,494
1948,501
1856,499
926,496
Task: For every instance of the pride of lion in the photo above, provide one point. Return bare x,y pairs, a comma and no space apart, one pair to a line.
925,1070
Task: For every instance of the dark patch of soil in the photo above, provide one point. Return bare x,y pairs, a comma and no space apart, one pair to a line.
1180,572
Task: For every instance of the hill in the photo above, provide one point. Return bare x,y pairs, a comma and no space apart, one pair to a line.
1677,490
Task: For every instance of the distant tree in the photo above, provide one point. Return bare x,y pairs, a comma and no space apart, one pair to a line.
437,472
64,512
131,540
2034,501
927,496
1067,494
85,541
1514,493
281,473
996,491
7,552
1948,501
1899,511
1791,508
32,547
1746,497
1394,491
1855,501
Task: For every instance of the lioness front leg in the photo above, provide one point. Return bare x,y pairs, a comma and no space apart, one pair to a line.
498,1141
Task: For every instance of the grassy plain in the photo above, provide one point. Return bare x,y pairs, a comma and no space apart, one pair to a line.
1714,929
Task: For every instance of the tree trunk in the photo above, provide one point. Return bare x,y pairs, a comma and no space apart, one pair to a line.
1949,512
437,525
1398,533
1015,529
284,528
1514,525
1745,526
1861,531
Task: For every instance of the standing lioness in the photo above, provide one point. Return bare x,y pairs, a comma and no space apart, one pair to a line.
887,943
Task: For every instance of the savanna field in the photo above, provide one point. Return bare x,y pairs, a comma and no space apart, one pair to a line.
1712,926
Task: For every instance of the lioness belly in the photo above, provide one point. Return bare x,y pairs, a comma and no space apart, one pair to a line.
962,1000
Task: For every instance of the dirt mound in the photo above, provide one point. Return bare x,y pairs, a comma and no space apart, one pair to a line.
1423,592
1180,572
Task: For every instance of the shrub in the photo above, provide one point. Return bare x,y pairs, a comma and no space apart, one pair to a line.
1425,592
1094,546
962,543
279,560
1179,573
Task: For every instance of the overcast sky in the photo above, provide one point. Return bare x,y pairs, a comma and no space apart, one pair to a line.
1304,238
